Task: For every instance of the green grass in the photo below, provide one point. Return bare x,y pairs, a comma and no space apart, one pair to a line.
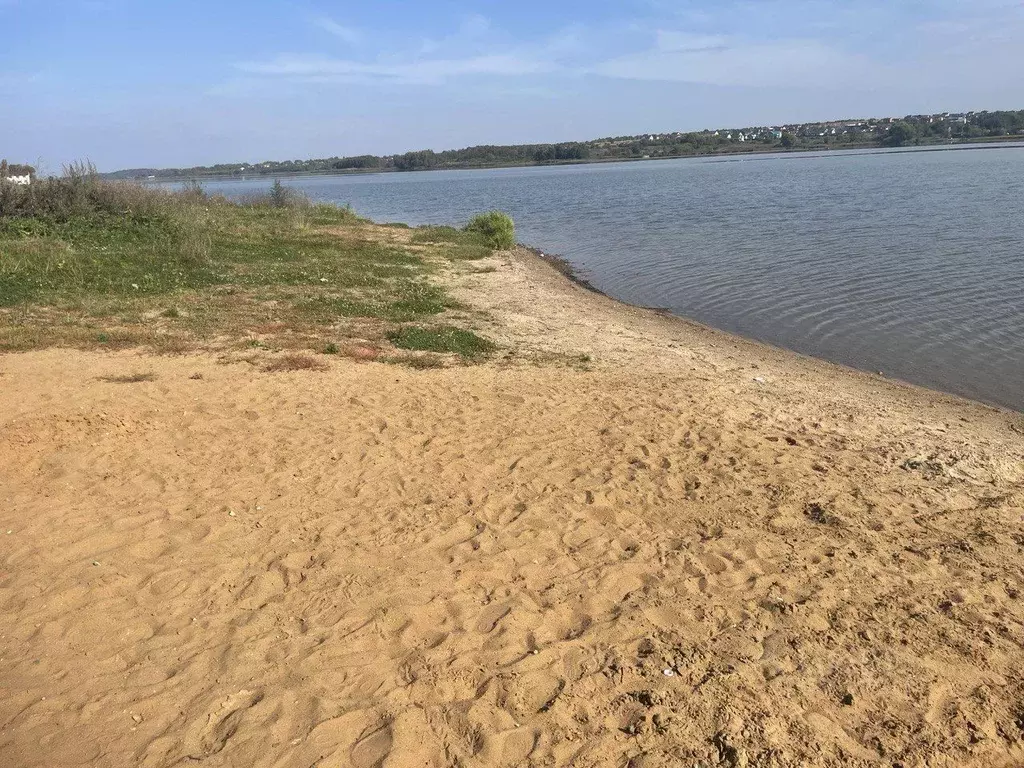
110,265
399,301
105,254
430,234
488,231
441,339
462,245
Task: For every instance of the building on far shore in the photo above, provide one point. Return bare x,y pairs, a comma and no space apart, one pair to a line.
16,174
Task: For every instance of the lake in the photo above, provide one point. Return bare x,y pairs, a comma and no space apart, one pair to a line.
906,262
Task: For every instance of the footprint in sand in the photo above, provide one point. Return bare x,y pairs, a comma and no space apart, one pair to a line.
210,736
372,748
490,616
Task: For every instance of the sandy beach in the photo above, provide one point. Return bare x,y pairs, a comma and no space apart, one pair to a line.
626,540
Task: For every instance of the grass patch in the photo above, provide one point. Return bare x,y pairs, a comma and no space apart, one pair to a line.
469,252
295,362
398,302
111,265
441,339
417,299
463,244
431,234
129,378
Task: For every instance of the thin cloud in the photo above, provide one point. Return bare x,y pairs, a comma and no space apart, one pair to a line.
349,34
475,25
473,50
797,44
716,60
422,71
15,80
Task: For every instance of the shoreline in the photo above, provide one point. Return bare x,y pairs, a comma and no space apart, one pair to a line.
564,268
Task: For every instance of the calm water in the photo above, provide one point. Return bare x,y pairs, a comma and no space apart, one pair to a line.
911,263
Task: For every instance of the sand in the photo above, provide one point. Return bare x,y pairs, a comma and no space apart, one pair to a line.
684,550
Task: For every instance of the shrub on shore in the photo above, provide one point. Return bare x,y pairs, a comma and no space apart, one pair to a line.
440,339
495,228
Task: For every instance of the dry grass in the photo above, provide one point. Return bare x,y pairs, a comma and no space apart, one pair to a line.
129,378
295,362
422,362
361,352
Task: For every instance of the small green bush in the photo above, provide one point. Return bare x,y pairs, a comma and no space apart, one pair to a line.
279,195
441,339
496,229
288,199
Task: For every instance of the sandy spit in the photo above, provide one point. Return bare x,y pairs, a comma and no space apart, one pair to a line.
628,541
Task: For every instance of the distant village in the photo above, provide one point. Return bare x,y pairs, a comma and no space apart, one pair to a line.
949,125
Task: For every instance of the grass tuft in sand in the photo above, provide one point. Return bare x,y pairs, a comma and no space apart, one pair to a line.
129,378
295,362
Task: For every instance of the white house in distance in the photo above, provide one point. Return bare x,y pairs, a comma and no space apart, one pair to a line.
16,174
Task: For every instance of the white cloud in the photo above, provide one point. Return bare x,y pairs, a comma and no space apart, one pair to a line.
475,48
791,44
15,80
348,34
420,71
718,60
669,40
476,25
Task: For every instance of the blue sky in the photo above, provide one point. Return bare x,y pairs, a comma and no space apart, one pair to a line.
132,83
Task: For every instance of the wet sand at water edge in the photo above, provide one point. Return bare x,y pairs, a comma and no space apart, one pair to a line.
635,542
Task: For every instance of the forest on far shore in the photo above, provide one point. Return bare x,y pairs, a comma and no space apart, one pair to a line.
836,134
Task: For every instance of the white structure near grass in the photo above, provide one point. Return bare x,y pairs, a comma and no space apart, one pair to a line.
12,173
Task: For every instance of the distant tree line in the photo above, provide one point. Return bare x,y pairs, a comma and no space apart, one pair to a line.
885,132
471,156
925,129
